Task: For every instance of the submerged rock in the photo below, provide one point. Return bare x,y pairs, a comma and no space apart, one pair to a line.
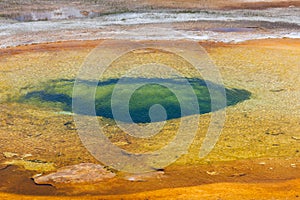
81,173
142,177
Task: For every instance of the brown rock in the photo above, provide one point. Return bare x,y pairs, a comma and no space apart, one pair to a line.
81,173
84,13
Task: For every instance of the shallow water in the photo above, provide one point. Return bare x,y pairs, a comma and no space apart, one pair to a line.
284,22
228,30
286,15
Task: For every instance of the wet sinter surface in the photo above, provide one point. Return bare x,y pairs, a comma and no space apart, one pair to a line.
259,142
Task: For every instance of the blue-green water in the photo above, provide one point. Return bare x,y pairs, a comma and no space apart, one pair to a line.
58,94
